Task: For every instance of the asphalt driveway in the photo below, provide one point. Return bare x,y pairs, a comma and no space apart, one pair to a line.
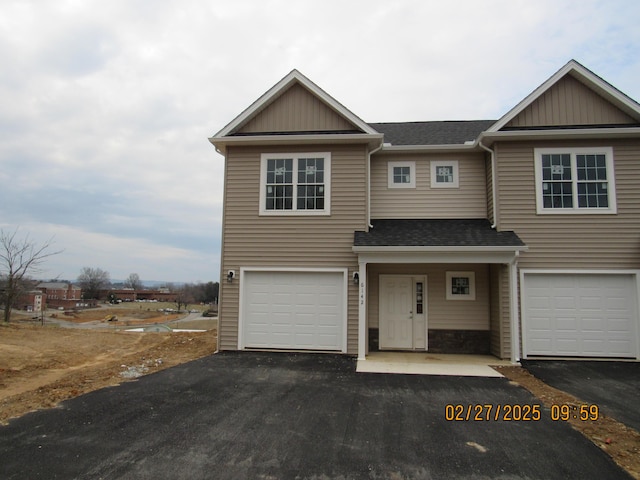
613,386
305,416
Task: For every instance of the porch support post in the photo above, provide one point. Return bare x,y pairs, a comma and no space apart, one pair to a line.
513,308
362,310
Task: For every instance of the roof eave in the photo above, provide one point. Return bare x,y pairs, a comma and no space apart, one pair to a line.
391,149
438,248
221,143
488,138
449,255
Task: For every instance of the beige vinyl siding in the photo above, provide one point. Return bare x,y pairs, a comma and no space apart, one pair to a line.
571,240
570,102
251,240
441,313
500,311
296,110
489,180
469,200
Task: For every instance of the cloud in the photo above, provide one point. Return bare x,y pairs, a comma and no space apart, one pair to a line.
107,106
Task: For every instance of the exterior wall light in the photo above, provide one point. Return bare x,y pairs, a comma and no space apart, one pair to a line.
230,275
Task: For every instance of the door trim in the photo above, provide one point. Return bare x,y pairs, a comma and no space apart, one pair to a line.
425,309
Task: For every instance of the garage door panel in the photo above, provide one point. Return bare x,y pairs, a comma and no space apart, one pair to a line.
580,315
293,310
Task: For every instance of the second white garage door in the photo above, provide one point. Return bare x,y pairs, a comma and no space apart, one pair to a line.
580,315
294,310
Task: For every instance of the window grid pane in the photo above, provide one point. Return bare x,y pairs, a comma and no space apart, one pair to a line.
444,174
310,191
460,286
401,174
557,185
592,181
279,188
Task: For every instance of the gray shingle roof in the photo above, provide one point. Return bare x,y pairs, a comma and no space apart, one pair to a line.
432,133
448,233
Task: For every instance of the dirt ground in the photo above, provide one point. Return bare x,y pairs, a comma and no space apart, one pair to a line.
40,366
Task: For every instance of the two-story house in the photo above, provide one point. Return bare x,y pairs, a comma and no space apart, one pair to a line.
518,237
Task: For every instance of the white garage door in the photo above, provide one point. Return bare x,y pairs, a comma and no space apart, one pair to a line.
580,315
294,310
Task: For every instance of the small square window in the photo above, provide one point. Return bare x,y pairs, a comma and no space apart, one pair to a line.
402,175
444,174
461,286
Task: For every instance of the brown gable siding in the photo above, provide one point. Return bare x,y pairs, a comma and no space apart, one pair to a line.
467,201
296,110
570,241
570,102
251,240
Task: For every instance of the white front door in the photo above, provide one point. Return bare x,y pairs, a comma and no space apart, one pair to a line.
402,307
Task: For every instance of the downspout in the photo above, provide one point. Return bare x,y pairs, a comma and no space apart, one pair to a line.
369,182
513,307
494,186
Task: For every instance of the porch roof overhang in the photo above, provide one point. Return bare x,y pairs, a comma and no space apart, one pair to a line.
436,241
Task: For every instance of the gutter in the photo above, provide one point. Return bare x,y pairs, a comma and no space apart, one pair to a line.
493,181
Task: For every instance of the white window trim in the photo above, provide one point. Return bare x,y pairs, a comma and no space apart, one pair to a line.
444,163
608,151
472,285
412,174
294,211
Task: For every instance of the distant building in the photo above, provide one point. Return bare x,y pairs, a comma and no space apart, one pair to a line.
32,301
62,294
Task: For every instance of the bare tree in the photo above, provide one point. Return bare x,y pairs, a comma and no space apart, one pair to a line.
18,258
92,280
133,281
184,297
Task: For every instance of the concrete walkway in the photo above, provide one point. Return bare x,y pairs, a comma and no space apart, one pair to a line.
424,363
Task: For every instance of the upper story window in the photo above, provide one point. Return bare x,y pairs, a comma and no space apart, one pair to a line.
444,174
295,184
402,175
575,180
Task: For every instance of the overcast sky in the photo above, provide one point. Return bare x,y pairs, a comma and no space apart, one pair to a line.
106,106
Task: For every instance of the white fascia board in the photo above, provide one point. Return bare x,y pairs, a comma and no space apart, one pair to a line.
585,76
282,85
487,138
433,257
373,140
446,255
